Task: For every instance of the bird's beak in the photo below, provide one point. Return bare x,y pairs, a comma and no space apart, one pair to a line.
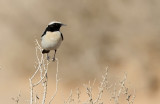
64,25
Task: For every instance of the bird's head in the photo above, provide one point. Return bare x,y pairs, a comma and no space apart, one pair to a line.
55,26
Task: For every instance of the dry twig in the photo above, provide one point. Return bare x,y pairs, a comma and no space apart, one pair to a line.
42,68
17,98
57,81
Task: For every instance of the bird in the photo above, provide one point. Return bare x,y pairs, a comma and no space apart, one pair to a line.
52,38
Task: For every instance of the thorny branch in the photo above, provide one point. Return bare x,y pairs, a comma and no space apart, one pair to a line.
17,98
119,89
42,68
57,80
69,99
122,90
103,85
78,96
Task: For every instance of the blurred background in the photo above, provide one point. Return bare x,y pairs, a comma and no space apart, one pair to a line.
121,34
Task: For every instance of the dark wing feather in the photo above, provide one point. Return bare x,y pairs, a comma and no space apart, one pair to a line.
62,36
44,32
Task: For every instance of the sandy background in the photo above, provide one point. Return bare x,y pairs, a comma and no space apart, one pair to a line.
121,34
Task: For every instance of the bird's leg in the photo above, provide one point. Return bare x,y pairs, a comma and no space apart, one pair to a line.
54,55
48,57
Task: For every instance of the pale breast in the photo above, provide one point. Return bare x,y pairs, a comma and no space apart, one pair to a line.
51,40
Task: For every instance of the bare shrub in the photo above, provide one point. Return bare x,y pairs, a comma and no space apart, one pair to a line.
41,69
116,90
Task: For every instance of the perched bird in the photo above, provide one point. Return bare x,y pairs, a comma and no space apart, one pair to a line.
51,38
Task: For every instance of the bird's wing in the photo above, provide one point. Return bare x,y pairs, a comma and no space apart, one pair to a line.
62,36
44,32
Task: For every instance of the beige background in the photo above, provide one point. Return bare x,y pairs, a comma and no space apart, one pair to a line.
121,34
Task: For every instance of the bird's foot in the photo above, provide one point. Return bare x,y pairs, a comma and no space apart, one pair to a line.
53,59
48,58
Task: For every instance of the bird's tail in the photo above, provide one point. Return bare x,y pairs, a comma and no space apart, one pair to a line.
45,51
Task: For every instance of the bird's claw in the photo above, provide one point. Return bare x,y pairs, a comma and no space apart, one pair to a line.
48,57
53,59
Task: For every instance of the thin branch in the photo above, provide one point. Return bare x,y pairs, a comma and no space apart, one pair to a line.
17,98
78,95
57,81
42,67
102,86
45,89
69,99
89,93
31,92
